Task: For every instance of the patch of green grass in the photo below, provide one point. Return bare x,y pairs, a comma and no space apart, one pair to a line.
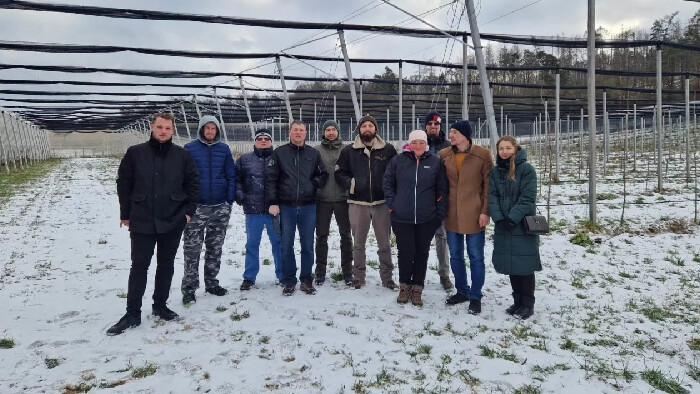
492,353
527,389
144,372
51,362
235,316
266,262
9,183
373,264
581,239
7,343
568,344
655,314
264,339
694,373
337,276
694,344
659,381
221,308
605,196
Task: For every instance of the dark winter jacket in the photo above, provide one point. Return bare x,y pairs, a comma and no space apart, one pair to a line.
415,188
514,252
361,170
217,172
331,191
157,185
250,180
293,175
437,143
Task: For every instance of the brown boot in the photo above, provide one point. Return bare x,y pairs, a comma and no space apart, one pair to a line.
446,283
416,293
404,293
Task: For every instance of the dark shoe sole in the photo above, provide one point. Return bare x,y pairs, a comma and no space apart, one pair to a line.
111,334
218,294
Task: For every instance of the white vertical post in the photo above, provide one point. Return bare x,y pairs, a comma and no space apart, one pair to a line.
335,112
634,136
557,126
284,91
592,214
400,100
447,110
316,122
687,128
465,80
348,70
361,99
5,154
184,117
247,107
196,107
659,120
221,116
413,115
387,134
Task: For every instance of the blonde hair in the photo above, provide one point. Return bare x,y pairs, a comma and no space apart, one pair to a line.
511,168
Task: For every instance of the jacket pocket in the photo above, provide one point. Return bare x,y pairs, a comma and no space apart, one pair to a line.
178,197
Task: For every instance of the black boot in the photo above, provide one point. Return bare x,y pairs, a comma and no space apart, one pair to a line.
526,309
127,321
517,301
164,313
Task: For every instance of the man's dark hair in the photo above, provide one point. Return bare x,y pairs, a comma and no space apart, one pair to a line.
299,122
164,115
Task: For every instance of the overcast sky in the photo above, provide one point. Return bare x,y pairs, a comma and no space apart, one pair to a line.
524,17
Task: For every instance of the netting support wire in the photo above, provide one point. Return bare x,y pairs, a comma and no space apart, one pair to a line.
634,137
196,107
184,117
447,110
485,89
335,112
316,122
592,162
687,128
247,107
400,100
465,81
557,125
387,136
659,119
413,116
348,71
221,116
284,89
501,129
5,155
361,99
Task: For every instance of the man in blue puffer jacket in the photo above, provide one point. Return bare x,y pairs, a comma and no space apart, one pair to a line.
217,175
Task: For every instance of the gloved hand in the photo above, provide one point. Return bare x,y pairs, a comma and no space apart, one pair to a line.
506,224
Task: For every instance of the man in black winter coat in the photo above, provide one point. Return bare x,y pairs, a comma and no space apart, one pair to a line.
158,189
293,175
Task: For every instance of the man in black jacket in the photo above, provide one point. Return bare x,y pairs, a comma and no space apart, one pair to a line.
293,175
158,188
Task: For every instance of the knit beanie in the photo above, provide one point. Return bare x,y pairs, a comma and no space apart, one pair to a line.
331,122
463,127
367,118
263,133
418,135
432,116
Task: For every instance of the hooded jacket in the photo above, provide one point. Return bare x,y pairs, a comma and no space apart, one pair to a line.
331,191
250,180
514,252
217,171
361,170
293,175
415,188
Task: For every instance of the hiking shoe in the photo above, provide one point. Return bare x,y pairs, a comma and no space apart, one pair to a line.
217,291
288,290
446,283
320,280
127,321
474,307
246,285
524,312
511,309
416,293
164,313
457,298
348,279
404,294
356,283
390,284
307,287
188,299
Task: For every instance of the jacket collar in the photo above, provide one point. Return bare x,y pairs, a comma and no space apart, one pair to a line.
379,143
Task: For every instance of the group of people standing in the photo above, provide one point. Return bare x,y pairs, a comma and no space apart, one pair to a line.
437,187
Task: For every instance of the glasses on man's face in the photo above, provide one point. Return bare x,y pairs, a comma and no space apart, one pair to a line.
262,139
431,123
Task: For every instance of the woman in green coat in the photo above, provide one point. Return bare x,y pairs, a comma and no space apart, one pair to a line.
512,191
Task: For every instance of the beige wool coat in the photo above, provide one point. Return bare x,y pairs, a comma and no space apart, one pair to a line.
469,191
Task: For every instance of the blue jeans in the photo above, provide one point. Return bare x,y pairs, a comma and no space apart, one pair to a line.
254,225
475,250
292,218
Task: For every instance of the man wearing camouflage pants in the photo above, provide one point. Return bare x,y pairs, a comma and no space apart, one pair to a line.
217,174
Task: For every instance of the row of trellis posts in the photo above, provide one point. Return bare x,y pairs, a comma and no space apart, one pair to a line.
21,142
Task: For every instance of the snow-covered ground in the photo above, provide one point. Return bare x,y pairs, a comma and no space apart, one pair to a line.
617,316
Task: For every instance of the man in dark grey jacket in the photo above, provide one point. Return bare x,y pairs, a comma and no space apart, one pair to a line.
332,199
436,142
158,189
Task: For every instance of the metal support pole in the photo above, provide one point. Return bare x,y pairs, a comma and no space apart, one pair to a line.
557,126
361,99
485,89
221,116
413,116
606,128
400,100
335,112
465,80
316,122
592,214
23,141
447,110
184,117
196,107
284,91
387,132
687,128
634,137
247,107
659,119
18,152
348,70
5,154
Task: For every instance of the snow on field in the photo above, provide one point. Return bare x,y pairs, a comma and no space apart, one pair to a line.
621,315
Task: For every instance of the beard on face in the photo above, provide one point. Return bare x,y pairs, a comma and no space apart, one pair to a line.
367,137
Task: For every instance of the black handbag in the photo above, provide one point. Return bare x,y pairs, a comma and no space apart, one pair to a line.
535,225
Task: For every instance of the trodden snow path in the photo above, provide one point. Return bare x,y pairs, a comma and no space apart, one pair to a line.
607,316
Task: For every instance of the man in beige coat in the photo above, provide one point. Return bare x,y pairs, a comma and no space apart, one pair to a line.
467,167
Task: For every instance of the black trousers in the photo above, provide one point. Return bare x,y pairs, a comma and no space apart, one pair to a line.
324,212
413,243
142,247
523,289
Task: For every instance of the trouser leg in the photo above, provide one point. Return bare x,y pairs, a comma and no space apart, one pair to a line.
381,223
165,259
360,220
214,240
142,246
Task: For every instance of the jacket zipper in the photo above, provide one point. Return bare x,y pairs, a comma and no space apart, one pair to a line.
369,165
210,176
296,162
415,195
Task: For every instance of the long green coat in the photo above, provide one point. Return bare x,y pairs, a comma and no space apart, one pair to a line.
514,252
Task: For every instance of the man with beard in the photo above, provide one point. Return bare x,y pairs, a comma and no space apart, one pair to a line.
436,142
250,194
158,187
360,170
